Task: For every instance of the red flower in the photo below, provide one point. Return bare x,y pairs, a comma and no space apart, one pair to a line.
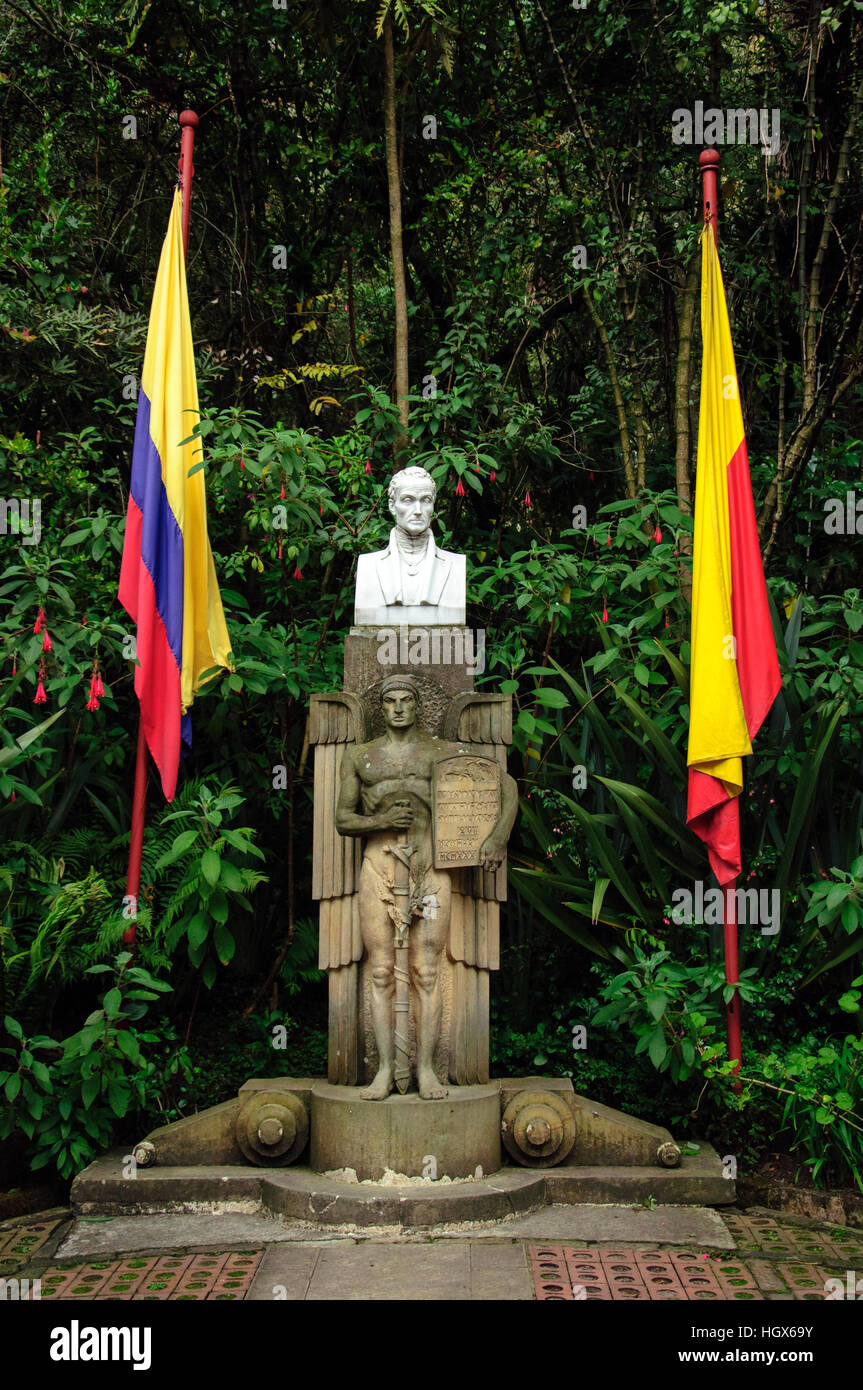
280,547
527,501
493,476
657,535
282,493
297,573
608,539
459,491
242,463
604,613
40,697
47,644
368,465
40,619
99,688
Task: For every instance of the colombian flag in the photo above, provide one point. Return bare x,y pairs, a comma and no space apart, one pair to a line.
168,581
735,671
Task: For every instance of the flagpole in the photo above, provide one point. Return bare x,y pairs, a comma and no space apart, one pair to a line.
709,163
732,975
188,124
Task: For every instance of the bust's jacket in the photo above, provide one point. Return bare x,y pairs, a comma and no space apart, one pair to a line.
379,587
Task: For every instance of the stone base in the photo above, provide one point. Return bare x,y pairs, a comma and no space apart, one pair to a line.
298,1194
446,1152
457,1137
461,1133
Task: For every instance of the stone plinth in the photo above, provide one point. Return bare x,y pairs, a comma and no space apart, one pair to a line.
447,658
404,1133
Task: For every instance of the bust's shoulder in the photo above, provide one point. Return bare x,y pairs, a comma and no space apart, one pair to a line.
442,554
372,557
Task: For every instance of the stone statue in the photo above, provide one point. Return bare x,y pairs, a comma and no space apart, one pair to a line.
412,810
412,581
404,900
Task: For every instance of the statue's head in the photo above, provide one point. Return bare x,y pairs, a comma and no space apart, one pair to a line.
411,496
400,700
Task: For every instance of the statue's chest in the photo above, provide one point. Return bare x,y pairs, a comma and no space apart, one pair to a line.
389,767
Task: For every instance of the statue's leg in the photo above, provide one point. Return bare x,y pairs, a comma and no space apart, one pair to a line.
427,940
377,934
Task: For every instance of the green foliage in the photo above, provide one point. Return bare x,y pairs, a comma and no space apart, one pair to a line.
67,1100
822,1113
209,878
539,383
674,1011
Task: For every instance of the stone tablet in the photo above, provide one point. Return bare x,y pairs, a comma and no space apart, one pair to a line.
466,807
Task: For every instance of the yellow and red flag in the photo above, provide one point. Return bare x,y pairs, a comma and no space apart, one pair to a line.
734,675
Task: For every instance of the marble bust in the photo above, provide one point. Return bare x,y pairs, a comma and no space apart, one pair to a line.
412,581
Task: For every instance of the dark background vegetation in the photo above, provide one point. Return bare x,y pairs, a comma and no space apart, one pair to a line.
557,385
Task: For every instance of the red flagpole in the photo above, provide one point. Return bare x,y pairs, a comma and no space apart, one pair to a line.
732,975
709,162
188,124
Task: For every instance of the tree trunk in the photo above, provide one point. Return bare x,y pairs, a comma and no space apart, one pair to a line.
396,235
682,387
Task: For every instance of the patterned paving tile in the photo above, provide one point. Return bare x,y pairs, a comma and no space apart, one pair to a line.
805,1281
571,1273
18,1243
175,1277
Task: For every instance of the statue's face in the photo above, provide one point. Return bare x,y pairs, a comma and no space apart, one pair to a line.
412,507
400,709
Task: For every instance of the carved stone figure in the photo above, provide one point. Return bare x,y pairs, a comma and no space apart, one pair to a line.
413,807
412,580
404,900
466,948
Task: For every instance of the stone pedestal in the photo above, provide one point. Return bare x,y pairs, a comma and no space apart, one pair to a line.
443,660
443,1138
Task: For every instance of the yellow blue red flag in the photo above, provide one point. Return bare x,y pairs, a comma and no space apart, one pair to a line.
168,581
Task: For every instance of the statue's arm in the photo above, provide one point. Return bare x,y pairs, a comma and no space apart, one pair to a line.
348,822
494,848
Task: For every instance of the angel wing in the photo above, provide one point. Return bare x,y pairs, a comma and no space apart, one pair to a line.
335,720
484,722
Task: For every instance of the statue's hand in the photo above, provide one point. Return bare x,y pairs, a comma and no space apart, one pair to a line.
398,816
491,854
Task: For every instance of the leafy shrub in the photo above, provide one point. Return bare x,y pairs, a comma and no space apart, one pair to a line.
68,1100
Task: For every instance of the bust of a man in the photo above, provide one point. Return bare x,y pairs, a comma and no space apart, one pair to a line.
412,581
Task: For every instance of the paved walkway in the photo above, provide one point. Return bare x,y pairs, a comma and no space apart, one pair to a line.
559,1253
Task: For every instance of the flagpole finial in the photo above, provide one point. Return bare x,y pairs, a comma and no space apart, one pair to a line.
709,162
188,125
